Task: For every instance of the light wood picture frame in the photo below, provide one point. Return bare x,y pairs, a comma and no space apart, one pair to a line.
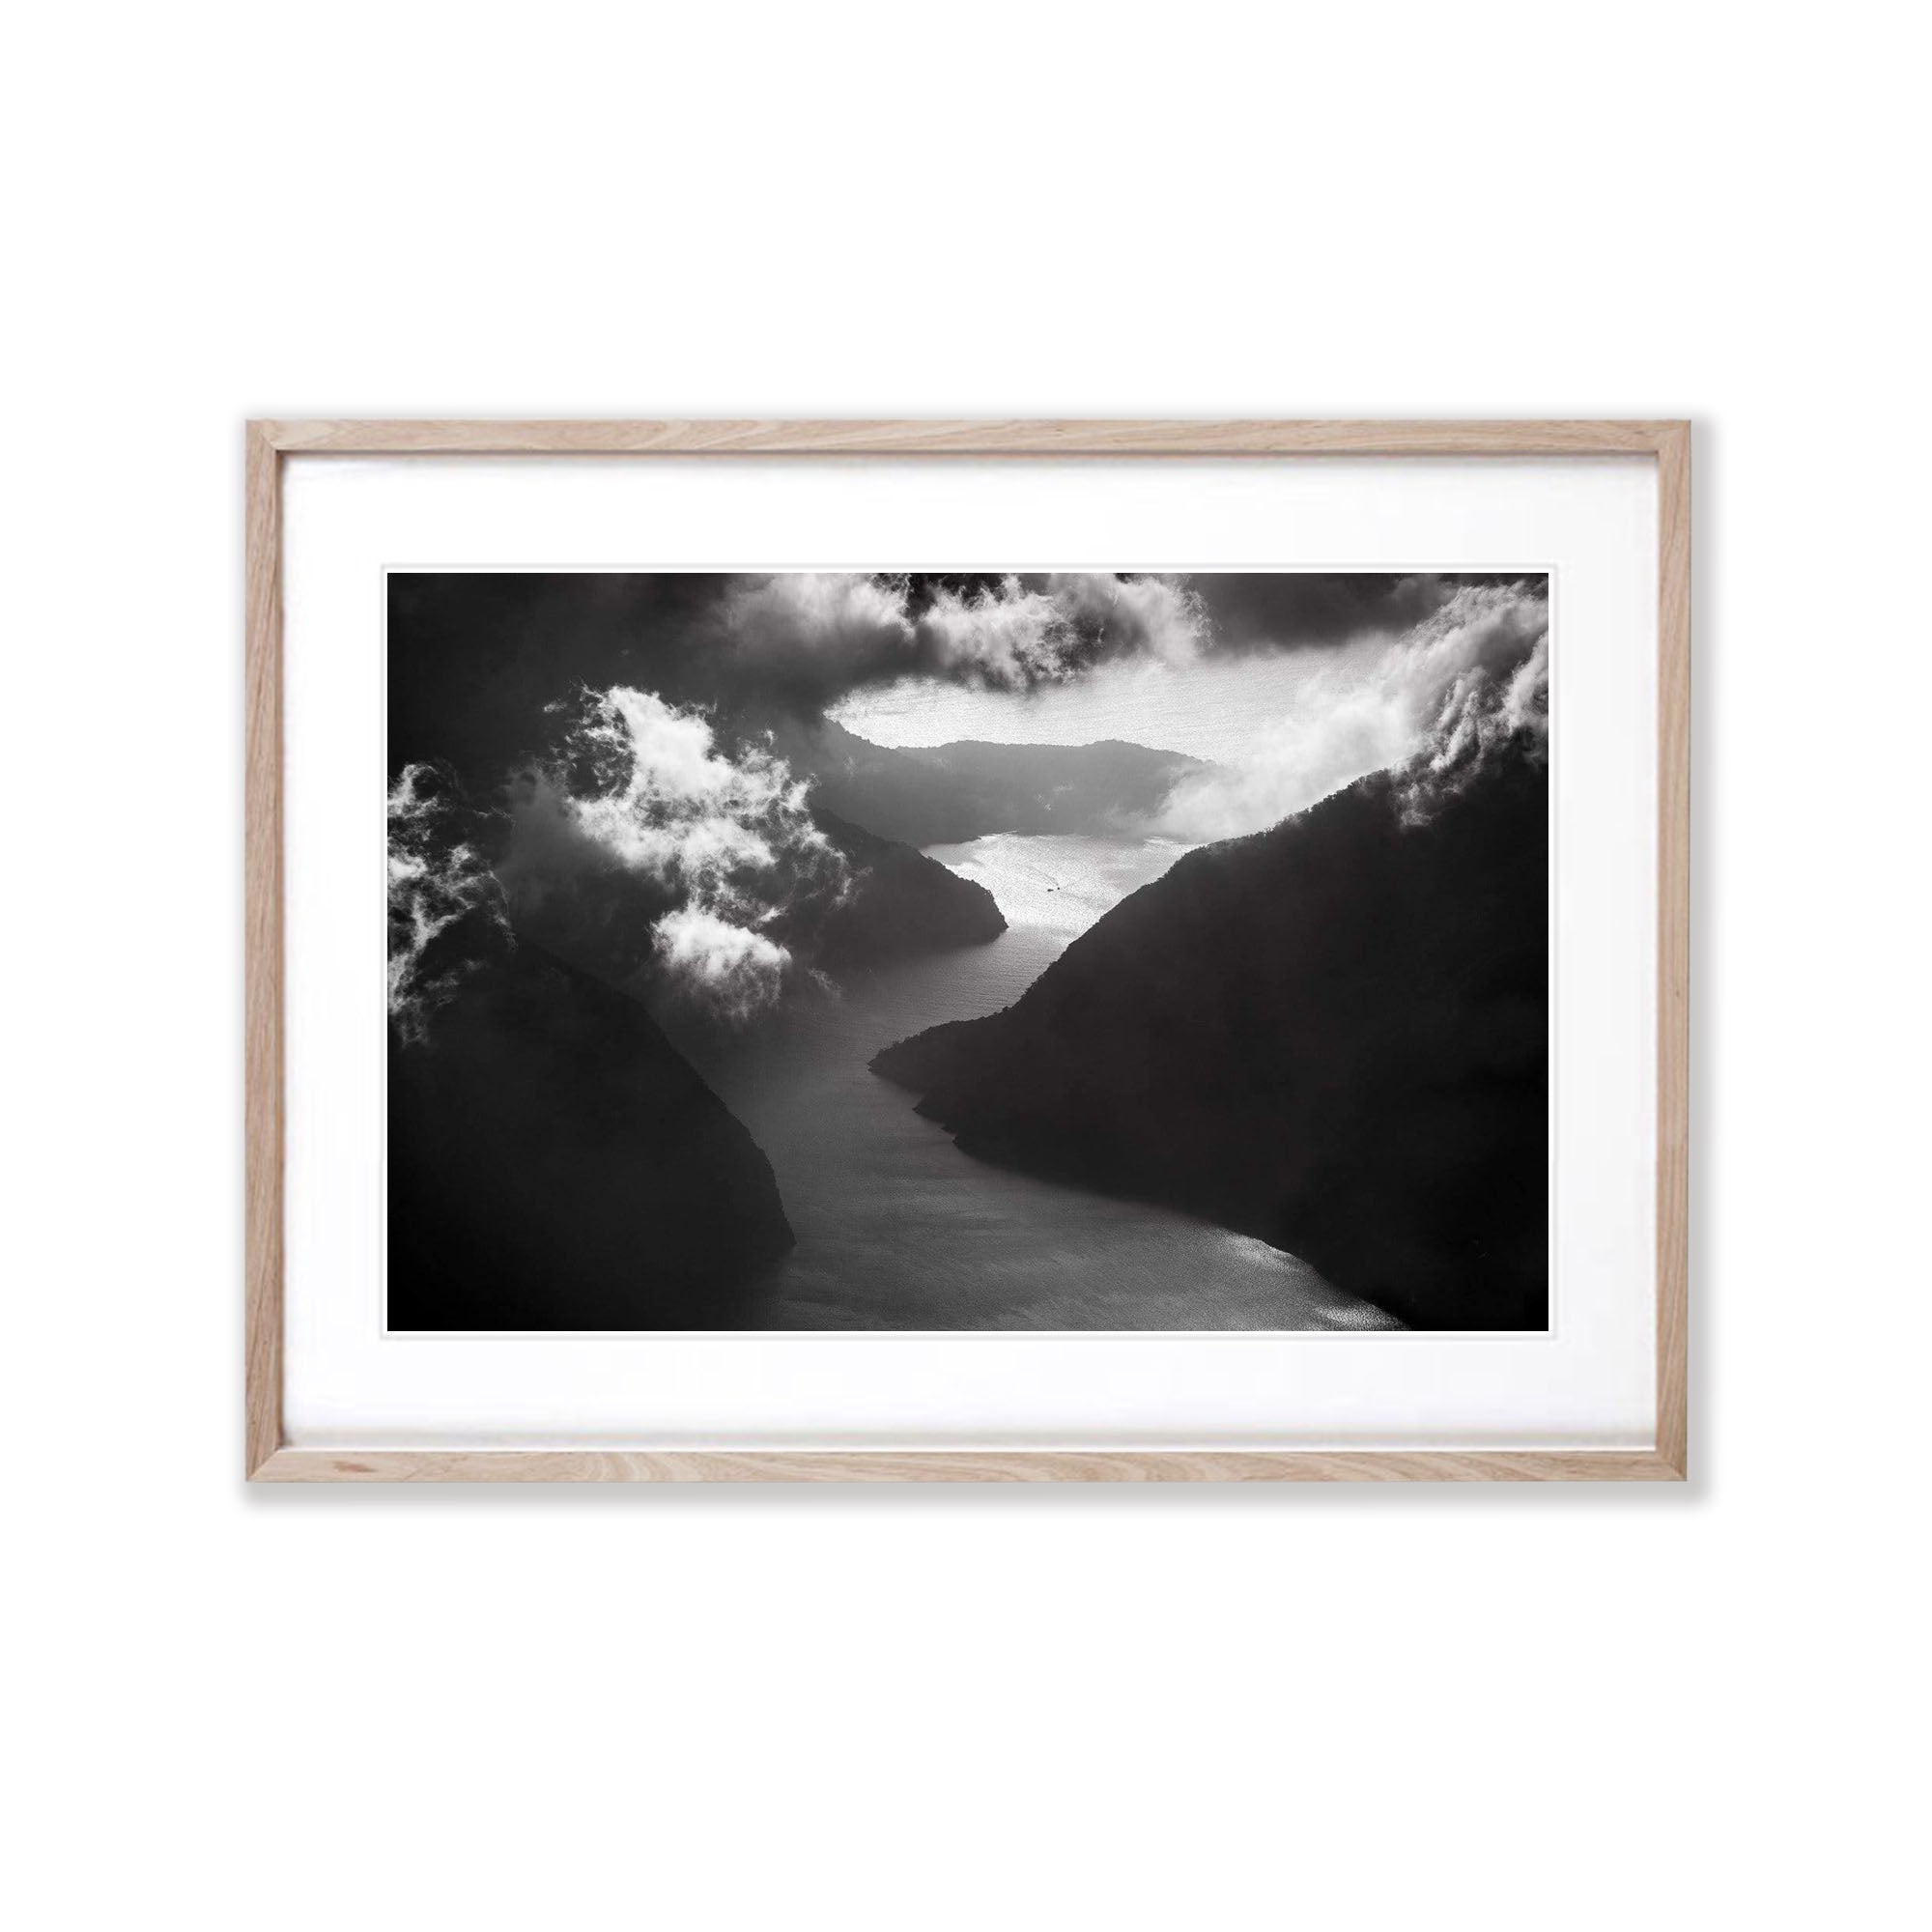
268,1456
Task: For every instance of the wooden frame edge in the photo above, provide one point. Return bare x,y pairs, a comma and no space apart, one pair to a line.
940,437
961,1466
268,1460
262,865
1673,944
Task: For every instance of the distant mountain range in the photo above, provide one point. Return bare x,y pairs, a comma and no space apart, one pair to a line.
476,661
945,794
1332,1035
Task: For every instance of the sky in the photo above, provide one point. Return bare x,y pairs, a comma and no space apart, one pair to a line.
622,725
1216,711
478,659
1289,689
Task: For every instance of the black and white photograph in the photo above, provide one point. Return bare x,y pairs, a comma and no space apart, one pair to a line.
969,969
1015,948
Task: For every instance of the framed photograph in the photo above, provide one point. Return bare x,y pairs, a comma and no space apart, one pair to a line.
967,952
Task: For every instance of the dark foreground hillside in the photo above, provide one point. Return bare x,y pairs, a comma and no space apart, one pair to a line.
1332,1035
556,1163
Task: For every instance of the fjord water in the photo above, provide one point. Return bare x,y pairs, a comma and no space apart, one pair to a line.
897,1229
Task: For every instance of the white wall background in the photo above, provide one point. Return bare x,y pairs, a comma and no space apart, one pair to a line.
971,1709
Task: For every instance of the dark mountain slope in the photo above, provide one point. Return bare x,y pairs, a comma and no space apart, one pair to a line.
556,1163
885,901
945,794
898,902
1332,1035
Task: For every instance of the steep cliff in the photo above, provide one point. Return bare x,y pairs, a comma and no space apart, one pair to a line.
1332,1035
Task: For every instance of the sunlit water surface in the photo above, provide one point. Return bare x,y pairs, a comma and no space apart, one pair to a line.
897,1229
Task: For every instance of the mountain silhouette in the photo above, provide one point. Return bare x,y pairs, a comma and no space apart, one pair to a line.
946,794
556,1163
898,902
1332,1034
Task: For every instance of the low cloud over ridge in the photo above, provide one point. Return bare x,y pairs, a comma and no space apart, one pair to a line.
1472,674
646,824
475,658
706,845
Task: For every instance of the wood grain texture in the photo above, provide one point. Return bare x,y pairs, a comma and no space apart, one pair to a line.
262,864
268,1460
962,1465
1673,946
1069,439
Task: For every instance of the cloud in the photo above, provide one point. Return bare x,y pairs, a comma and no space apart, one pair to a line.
438,880
476,656
1483,712
1016,633
641,845
662,844
640,785
1280,611
1470,677
805,640
731,970
805,637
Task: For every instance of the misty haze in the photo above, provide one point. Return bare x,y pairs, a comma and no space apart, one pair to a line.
1076,950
